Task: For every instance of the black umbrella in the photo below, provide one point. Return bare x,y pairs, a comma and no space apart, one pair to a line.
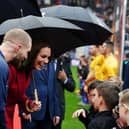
61,35
17,8
96,30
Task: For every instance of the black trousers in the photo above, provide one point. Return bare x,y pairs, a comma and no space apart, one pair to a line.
57,126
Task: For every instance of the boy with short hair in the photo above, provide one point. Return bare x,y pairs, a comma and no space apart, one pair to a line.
106,98
86,116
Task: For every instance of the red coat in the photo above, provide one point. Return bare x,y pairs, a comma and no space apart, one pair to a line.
17,85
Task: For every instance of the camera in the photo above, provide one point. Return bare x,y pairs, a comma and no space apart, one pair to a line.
63,60
60,64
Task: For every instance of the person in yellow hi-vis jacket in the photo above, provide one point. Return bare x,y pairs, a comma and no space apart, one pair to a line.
110,66
104,66
95,66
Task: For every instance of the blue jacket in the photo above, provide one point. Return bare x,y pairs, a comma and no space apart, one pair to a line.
44,81
3,89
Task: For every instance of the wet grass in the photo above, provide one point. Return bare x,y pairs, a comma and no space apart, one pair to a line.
71,106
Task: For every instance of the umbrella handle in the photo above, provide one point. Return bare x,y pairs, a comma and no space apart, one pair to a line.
36,95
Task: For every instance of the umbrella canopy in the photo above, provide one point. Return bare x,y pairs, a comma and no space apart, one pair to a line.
95,28
60,34
17,8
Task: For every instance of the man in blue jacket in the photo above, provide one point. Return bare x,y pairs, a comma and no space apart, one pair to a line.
16,44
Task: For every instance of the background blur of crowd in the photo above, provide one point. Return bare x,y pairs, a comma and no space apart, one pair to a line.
103,8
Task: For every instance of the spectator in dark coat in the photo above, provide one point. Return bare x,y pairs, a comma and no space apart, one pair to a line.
64,81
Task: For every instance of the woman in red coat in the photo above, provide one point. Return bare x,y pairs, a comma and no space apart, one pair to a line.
19,79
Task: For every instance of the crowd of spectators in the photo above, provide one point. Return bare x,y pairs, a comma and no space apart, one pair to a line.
103,8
